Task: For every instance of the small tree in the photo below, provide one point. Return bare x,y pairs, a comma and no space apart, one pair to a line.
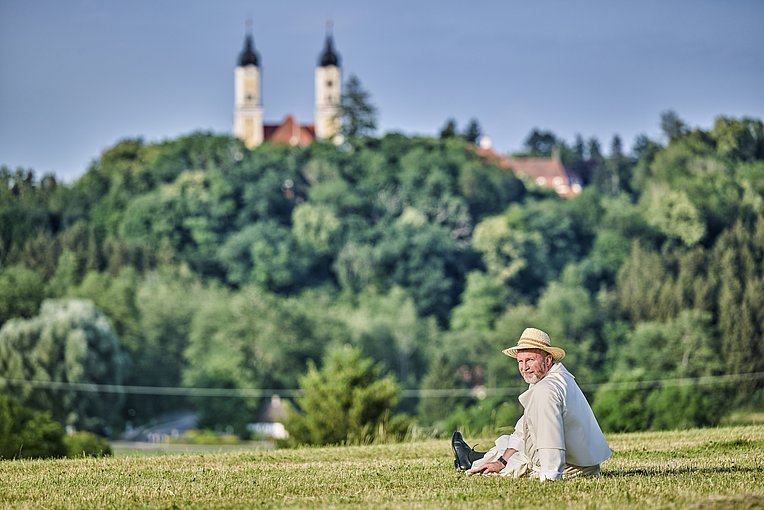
345,401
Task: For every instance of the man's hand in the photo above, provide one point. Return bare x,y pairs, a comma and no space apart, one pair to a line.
490,467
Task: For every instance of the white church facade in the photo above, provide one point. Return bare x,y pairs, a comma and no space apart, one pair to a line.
248,123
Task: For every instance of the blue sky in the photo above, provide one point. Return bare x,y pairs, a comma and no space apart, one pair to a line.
76,76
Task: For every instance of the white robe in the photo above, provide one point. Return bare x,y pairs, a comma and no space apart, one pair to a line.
557,433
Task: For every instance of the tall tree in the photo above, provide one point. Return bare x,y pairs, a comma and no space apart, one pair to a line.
540,143
358,114
448,130
672,126
472,132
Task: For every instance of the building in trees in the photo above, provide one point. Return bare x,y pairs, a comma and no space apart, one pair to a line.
248,124
547,172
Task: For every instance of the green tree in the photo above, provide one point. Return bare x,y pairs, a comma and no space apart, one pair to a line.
540,143
672,213
358,114
25,433
737,259
472,132
672,126
424,260
316,227
21,292
640,398
69,343
484,298
448,130
346,401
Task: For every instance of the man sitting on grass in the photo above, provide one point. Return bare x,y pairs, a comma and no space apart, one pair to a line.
556,437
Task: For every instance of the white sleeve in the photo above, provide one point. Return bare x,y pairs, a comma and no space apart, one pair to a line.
516,440
552,463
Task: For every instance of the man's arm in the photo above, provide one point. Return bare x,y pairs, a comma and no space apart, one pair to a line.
495,466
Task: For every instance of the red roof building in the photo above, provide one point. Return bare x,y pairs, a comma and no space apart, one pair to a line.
545,172
289,132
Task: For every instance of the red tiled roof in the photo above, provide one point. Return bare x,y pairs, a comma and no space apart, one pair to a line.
289,132
546,172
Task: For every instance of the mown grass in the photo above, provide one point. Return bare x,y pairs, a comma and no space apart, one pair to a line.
711,468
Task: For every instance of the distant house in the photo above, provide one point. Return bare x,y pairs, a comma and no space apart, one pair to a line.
546,172
270,421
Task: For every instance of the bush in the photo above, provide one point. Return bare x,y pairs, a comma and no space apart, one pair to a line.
486,418
86,444
25,433
206,437
347,401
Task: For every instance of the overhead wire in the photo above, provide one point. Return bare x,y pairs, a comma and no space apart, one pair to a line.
476,391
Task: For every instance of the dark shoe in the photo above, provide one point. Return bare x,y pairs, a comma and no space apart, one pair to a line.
461,452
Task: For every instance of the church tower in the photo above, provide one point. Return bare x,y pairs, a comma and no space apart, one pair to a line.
328,90
248,109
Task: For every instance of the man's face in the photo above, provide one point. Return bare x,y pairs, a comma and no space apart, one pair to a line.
533,364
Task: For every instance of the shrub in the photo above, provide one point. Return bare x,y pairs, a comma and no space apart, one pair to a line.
347,401
86,444
25,433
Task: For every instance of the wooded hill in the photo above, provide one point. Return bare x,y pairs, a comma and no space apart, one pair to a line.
196,262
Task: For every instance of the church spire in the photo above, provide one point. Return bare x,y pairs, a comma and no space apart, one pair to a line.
248,104
248,56
328,91
329,57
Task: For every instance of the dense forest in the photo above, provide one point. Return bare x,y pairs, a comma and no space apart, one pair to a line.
198,263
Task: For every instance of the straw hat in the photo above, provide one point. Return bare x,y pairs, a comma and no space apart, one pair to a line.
533,338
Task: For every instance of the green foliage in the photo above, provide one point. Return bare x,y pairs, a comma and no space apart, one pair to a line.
490,417
25,433
540,143
359,116
86,444
69,342
483,300
388,329
672,213
636,399
472,132
424,260
21,292
232,268
346,401
252,339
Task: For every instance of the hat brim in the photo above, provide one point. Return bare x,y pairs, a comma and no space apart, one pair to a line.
556,352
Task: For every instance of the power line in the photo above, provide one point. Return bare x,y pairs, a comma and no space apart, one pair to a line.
177,391
476,392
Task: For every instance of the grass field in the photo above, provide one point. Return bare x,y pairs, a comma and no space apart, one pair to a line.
710,468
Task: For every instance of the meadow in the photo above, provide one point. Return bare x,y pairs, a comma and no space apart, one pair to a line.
701,468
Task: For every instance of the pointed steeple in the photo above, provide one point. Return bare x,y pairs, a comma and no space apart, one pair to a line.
329,57
248,56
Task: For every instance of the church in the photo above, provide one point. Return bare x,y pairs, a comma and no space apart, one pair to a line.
248,122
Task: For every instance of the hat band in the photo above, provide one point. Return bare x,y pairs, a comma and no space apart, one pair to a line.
533,343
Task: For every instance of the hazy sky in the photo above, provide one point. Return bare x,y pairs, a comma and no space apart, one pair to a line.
76,76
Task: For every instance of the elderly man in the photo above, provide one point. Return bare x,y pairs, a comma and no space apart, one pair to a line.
557,436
